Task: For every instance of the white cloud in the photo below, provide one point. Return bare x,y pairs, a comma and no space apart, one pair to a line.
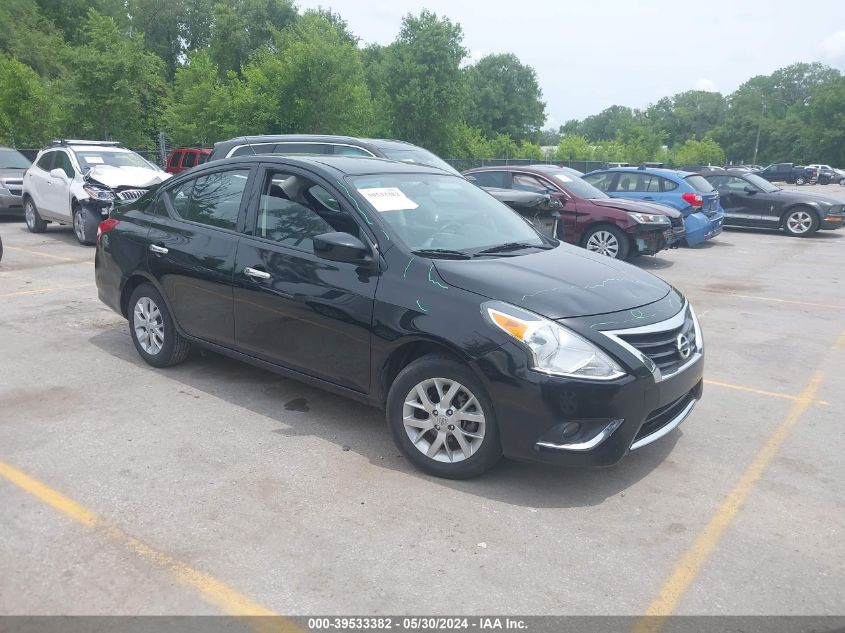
832,47
708,85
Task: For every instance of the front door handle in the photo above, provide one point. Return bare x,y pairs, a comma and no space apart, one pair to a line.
158,250
256,274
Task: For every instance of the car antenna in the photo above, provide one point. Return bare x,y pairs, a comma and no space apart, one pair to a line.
254,153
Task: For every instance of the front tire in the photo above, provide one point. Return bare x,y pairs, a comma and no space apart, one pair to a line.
33,220
800,180
442,419
85,226
800,222
607,240
153,330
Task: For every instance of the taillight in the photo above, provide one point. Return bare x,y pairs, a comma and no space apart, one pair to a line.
694,199
105,226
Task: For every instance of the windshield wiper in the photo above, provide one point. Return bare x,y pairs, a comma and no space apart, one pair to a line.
442,252
512,246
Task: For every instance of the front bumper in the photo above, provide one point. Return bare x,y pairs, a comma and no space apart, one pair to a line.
651,240
832,222
585,423
10,202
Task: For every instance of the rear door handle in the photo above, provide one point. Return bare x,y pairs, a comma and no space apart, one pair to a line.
158,250
256,274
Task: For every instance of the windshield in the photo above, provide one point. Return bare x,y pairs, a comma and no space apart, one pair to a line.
699,183
13,159
761,183
418,156
89,159
443,212
580,187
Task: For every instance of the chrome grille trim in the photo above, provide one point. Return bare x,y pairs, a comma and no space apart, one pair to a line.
131,194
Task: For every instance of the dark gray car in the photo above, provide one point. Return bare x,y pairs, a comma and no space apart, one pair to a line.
13,165
749,200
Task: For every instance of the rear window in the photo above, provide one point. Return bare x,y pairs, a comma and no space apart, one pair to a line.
699,183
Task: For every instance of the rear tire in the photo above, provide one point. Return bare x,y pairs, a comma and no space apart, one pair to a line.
33,220
442,419
153,330
800,222
607,240
85,224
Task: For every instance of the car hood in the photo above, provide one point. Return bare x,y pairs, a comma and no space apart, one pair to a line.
126,176
808,197
564,282
11,172
637,206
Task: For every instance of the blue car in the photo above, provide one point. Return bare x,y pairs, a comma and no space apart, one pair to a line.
687,192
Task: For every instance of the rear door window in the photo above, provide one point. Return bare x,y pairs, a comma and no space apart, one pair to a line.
216,199
174,159
497,179
46,161
189,160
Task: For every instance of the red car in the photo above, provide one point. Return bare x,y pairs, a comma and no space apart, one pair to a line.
178,160
590,218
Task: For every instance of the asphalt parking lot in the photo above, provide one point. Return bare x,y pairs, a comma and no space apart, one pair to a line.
215,487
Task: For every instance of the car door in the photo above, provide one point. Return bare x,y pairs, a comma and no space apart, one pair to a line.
568,210
293,308
57,194
741,206
636,185
38,182
192,244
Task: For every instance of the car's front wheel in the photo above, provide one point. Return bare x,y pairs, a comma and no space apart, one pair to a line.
801,222
607,240
152,328
85,226
442,419
33,220
800,180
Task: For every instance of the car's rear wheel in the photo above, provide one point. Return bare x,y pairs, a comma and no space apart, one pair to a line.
85,225
800,180
153,330
801,222
442,419
33,220
607,240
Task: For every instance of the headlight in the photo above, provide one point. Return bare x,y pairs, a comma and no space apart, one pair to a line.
98,193
649,218
554,349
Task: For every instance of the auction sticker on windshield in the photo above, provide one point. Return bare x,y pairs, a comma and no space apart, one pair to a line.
94,160
563,178
388,199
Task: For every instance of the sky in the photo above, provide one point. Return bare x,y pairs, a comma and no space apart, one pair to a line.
591,54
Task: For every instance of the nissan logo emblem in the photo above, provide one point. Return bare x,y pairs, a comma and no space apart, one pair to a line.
683,345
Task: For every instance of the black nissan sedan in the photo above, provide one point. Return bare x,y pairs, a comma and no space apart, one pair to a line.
415,291
749,200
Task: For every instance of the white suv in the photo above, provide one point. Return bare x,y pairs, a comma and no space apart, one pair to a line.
78,182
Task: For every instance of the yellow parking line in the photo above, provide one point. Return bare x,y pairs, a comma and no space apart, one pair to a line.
40,254
705,543
759,392
800,303
22,293
212,589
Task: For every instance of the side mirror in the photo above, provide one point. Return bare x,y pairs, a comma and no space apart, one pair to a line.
750,190
58,173
341,247
471,179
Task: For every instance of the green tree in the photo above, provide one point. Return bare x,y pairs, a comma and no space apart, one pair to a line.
574,148
504,97
113,88
26,115
704,152
201,108
530,151
825,120
31,38
241,28
692,114
312,82
423,88
607,123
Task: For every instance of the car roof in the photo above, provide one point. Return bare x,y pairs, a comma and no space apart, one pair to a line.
655,171
315,138
344,165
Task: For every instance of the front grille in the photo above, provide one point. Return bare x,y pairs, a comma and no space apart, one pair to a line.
663,347
659,418
131,194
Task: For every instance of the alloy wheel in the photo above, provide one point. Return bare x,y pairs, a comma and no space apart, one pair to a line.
29,213
444,420
603,243
149,325
79,226
799,222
